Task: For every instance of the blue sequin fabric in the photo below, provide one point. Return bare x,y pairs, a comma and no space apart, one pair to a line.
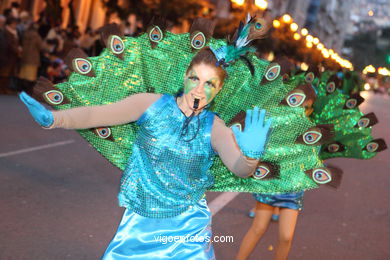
166,173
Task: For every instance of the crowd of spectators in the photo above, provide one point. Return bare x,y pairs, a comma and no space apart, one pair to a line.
30,49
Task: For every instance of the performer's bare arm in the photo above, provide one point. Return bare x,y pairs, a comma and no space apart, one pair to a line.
131,108
127,110
224,143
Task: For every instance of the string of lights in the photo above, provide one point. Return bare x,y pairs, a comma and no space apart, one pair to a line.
311,42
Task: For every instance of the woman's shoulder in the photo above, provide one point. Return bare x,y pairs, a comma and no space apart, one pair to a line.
218,122
217,118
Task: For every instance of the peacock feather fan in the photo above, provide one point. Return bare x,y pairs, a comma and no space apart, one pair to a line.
352,128
153,62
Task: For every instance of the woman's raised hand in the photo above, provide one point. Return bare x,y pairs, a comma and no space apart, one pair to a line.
40,114
253,139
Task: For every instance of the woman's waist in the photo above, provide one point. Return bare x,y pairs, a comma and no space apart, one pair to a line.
160,205
166,184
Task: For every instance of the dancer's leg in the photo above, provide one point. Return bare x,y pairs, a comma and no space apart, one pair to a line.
256,231
287,222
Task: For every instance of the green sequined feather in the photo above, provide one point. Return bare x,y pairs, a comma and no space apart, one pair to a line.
330,109
161,70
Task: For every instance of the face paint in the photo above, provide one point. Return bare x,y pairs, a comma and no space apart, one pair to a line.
210,89
190,82
201,85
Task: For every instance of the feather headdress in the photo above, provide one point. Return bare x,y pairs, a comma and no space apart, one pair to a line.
254,28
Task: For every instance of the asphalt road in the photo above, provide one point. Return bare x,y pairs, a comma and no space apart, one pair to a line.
58,199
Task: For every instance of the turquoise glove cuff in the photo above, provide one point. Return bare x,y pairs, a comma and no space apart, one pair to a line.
253,154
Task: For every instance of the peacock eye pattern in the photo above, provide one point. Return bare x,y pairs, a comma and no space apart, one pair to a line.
296,99
82,66
261,172
321,176
309,77
103,132
330,87
155,34
351,103
312,137
198,41
273,72
116,44
53,97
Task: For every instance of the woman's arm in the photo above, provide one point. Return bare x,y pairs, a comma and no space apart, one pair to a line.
124,111
224,143
127,110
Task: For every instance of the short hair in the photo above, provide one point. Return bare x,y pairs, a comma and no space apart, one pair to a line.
15,4
7,12
206,56
11,20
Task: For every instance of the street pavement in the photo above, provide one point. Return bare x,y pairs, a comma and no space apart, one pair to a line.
58,199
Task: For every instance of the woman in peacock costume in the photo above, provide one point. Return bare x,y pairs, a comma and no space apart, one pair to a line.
168,157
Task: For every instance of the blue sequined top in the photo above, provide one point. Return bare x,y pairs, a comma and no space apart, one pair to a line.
167,174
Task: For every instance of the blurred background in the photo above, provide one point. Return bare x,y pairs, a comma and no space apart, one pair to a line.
58,196
35,35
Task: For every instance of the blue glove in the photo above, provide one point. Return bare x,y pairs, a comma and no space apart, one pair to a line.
253,139
40,114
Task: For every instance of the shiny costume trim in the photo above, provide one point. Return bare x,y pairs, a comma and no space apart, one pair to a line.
138,237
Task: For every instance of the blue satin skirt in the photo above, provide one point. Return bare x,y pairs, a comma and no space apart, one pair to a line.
293,200
186,236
